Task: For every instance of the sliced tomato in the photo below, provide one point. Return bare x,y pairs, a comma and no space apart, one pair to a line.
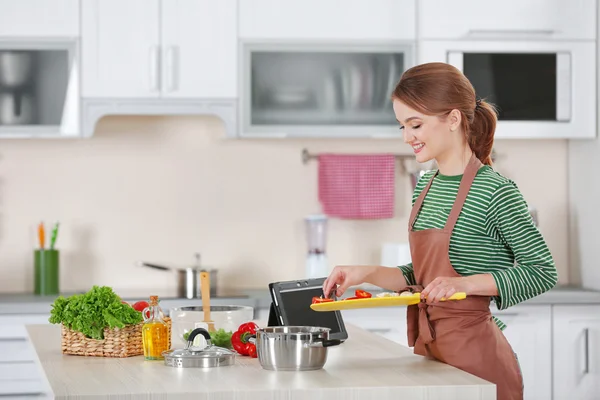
362,294
316,300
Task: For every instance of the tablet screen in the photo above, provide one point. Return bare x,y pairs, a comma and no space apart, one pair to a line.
296,306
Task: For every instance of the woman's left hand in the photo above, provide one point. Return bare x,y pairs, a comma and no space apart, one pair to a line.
444,287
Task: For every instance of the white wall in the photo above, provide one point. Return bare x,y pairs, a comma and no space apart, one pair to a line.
160,189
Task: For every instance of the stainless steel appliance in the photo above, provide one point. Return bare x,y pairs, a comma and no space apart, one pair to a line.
543,88
316,236
15,68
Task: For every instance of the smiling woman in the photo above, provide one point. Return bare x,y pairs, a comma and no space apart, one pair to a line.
469,231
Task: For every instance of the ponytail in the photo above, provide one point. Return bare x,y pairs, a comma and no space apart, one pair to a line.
480,133
438,88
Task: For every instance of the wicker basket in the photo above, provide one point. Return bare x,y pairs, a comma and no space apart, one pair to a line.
120,343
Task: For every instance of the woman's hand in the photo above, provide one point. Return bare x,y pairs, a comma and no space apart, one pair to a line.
346,276
444,287
474,285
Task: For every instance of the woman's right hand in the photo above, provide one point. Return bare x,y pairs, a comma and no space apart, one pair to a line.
345,276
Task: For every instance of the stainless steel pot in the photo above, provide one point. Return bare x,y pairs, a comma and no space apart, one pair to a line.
293,348
188,280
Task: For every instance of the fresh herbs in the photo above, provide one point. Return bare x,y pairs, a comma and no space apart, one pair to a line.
91,312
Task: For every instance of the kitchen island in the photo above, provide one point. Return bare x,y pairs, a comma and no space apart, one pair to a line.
366,366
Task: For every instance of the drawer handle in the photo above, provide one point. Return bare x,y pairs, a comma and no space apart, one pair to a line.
13,339
586,349
509,32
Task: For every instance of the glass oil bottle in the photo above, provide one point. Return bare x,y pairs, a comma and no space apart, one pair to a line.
154,331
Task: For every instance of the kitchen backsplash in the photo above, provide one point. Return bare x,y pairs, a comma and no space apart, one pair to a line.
162,188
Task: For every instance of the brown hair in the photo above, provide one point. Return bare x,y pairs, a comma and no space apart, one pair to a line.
439,88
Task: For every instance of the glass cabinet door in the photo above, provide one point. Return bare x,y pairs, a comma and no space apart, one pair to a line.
296,90
36,88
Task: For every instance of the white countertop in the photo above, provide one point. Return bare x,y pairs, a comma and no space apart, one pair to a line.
28,303
366,366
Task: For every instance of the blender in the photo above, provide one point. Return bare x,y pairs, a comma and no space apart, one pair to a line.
316,235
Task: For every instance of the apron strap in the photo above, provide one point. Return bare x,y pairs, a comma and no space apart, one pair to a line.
463,191
419,203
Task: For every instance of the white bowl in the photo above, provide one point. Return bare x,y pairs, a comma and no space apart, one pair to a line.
229,318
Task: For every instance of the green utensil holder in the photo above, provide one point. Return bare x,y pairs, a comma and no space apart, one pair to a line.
46,264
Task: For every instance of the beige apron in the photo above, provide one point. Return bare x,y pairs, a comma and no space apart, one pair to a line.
459,333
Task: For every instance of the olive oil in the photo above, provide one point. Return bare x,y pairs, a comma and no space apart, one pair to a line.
154,331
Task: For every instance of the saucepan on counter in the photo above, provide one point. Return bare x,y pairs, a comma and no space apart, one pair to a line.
188,279
293,348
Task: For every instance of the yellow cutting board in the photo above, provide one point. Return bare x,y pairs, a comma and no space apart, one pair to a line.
391,301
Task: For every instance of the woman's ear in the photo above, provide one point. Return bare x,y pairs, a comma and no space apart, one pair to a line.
454,119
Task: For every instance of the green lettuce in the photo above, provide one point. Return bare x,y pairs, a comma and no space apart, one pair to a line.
91,312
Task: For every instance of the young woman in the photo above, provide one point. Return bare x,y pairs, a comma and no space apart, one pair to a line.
469,231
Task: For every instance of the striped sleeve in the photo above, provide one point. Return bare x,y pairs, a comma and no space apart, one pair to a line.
534,271
409,274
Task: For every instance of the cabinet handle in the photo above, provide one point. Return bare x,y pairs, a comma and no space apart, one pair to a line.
586,347
172,68
154,67
510,32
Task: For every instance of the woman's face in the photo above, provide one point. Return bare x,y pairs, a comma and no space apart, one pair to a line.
430,136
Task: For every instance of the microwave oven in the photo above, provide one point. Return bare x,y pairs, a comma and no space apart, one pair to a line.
541,89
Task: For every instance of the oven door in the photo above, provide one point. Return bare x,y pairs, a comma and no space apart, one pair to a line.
541,89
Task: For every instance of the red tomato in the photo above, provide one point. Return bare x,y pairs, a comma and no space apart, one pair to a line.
140,305
252,350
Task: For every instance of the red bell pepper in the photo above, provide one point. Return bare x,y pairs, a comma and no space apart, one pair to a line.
361,294
316,300
239,339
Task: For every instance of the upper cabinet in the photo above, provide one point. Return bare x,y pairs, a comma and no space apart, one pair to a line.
536,19
199,43
159,48
39,68
328,20
39,18
121,48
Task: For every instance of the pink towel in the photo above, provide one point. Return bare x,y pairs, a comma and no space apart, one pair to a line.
357,186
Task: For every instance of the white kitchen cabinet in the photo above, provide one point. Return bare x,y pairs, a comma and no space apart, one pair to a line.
328,20
120,48
39,19
159,48
199,42
576,352
387,322
539,19
529,332
19,374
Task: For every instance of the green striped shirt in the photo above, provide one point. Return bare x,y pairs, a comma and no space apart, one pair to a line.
494,234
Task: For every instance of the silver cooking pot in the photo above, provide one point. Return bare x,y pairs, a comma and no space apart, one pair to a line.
188,280
293,348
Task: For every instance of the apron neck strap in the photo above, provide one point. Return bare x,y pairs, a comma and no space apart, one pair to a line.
418,203
463,190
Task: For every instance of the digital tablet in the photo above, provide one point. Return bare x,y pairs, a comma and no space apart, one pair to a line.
291,305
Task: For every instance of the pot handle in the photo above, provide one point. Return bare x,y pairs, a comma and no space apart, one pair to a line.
196,332
252,339
145,264
325,343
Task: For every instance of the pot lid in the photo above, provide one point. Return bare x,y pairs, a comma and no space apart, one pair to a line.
194,357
